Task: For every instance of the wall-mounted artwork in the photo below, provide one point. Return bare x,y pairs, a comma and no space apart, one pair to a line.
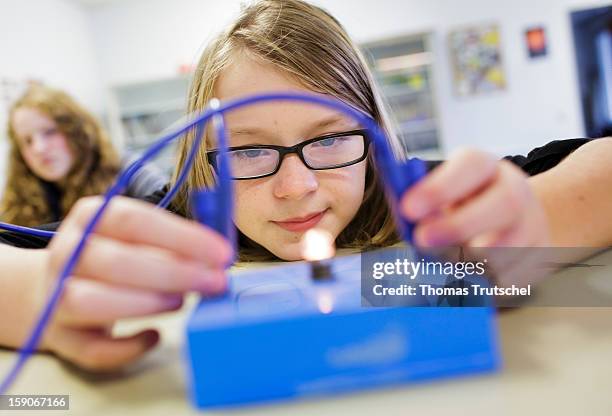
476,60
535,38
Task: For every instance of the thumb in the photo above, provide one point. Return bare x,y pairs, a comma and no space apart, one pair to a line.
96,350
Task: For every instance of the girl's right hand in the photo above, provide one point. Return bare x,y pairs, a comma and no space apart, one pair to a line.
139,261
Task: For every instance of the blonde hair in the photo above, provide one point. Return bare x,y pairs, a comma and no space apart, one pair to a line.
95,165
310,45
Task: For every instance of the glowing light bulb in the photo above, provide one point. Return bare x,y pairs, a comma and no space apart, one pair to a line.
317,247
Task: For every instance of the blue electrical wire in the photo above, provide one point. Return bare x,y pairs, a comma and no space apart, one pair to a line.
122,181
183,174
26,230
30,346
224,174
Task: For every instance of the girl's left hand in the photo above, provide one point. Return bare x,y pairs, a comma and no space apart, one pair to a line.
476,200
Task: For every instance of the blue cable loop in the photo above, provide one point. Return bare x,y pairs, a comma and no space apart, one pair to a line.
376,134
183,174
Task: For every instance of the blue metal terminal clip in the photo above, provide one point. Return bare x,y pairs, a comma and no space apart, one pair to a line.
214,207
398,176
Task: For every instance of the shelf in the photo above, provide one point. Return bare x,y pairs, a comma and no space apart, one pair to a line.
418,126
143,94
419,141
403,68
403,63
147,109
399,92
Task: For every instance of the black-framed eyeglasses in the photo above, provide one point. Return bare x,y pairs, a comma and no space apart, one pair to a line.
331,151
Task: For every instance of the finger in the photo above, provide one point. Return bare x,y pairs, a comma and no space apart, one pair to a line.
449,183
86,302
517,236
518,263
139,222
96,351
140,266
498,207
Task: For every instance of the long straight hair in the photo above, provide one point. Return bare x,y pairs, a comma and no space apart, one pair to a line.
311,46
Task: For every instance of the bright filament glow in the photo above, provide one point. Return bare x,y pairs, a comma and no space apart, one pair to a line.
317,245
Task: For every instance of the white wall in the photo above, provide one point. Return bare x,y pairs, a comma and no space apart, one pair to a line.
144,40
541,101
148,39
48,40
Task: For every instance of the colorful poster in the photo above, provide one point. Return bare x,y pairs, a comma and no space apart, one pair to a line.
476,60
535,38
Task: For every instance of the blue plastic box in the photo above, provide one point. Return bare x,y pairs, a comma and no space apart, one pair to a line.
278,334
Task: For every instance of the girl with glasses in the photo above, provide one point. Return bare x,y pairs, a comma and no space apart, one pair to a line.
296,166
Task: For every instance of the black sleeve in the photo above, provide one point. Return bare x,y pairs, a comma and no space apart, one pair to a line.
546,157
539,159
29,241
156,197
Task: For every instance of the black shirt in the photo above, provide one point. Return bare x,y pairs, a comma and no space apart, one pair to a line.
537,161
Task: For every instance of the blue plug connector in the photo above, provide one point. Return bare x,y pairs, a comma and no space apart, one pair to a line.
398,177
214,207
